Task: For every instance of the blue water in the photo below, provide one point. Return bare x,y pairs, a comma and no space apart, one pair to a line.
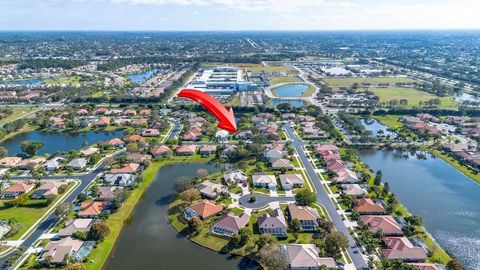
24,82
467,97
291,90
376,128
59,142
448,201
294,103
141,77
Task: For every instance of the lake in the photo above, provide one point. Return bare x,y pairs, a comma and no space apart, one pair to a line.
294,103
141,77
374,126
24,82
290,90
58,142
448,201
149,242
467,97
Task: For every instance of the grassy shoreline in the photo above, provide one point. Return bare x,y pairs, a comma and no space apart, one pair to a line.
116,221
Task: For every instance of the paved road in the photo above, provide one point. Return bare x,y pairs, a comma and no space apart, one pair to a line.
322,197
262,200
177,127
52,218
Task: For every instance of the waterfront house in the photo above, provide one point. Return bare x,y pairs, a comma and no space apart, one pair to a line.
17,189
102,122
93,209
207,150
211,190
77,164
400,248
385,224
30,163
234,177
75,225
47,189
334,165
107,193
354,190
150,132
89,151
365,206
53,164
116,142
307,216
119,179
204,210
126,169
9,162
57,122
57,252
273,223
161,150
133,138
345,176
186,150
264,180
427,266
228,150
229,225
320,148
305,256
289,181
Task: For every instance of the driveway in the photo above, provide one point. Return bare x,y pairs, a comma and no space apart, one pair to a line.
262,200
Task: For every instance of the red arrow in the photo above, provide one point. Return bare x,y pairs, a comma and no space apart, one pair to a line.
225,117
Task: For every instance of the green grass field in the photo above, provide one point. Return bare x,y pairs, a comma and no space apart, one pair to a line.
347,82
283,79
413,96
16,113
390,120
63,80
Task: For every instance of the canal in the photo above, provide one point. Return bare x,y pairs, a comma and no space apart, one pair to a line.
149,242
58,141
448,201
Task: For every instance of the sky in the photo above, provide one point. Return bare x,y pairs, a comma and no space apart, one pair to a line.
237,15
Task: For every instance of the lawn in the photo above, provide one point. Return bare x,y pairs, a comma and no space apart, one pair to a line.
116,220
16,113
27,214
413,96
392,121
63,80
347,82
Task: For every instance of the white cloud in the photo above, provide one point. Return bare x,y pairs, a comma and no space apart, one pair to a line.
246,5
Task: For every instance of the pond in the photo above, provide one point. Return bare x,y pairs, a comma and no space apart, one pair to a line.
294,103
149,242
141,77
60,141
290,90
377,128
467,97
448,201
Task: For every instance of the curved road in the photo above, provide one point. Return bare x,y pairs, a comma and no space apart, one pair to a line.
262,200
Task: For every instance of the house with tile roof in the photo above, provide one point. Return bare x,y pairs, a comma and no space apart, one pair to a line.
229,225
308,217
211,190
9,162
47,189
17,189
186,150
161,150
75,225
290,181
203,209
126,169
305,256
59,251
366,206
93,209
400,248
273,223
264,180
385,224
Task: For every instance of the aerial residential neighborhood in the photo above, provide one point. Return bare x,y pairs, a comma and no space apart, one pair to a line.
274,135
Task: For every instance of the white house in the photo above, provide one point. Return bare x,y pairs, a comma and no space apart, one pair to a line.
119,179
264,180
53,164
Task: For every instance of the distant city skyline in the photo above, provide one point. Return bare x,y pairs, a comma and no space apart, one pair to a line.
237,15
